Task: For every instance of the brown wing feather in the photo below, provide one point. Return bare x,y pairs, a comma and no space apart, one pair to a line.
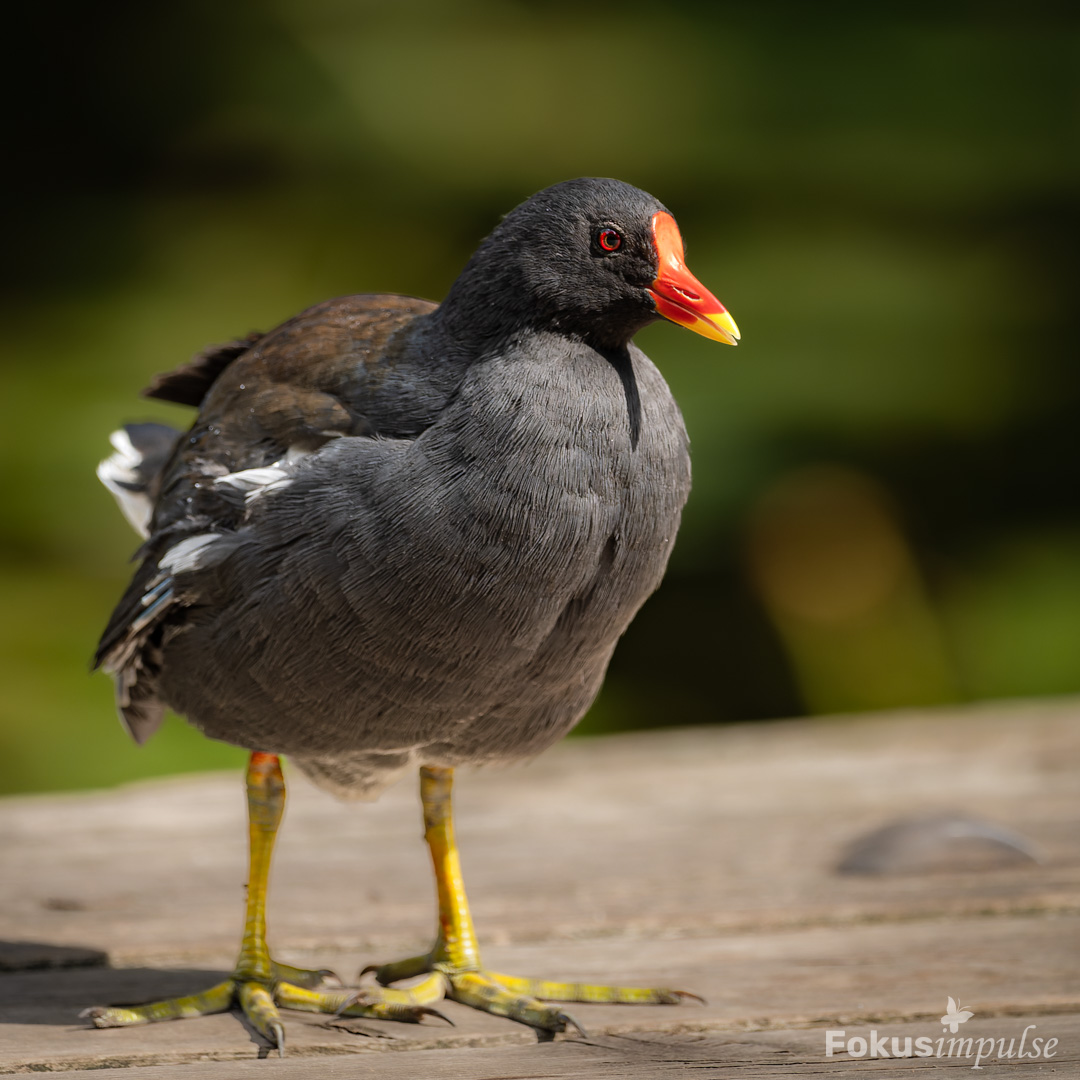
300,385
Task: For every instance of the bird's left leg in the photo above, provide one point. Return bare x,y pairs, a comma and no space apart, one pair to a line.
259,984
457,955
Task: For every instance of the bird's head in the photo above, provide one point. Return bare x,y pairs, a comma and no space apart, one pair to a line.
595,258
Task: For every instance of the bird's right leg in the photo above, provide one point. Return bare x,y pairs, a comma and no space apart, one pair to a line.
258,984
457,956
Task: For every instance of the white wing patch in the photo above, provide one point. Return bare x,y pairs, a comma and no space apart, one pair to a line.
119,473
189,554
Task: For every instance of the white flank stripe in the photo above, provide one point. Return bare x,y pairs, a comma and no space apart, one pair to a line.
250,480
187,555
272,477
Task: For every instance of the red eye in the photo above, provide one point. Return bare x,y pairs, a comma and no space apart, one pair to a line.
609,240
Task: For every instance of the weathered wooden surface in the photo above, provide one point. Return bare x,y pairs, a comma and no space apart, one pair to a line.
701,859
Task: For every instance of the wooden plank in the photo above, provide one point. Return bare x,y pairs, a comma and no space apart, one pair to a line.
821,975
701,858
642,1056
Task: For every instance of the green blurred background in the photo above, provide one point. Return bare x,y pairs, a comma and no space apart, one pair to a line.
886,471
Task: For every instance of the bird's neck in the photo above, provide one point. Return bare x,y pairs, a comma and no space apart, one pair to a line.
487,306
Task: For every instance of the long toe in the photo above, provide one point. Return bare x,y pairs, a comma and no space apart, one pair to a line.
408,1006
215,1000
396,970
481,991
594,993
310,978
258,1005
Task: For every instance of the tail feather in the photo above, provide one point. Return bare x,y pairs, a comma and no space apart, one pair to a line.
141,711
132,474
130,648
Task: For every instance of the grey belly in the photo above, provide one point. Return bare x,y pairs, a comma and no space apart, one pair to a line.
357,700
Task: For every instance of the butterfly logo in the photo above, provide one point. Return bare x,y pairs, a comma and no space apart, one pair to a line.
955,1016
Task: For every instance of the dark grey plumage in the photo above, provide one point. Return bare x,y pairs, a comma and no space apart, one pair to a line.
400,534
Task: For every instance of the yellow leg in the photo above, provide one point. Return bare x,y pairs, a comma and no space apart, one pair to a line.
266,806
456,945
456,954
258,984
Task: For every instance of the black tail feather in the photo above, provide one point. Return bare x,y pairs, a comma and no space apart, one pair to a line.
190,383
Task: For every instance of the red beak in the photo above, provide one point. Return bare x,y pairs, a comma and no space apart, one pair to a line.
678,295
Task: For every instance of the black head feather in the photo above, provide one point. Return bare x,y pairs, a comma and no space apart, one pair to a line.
576,258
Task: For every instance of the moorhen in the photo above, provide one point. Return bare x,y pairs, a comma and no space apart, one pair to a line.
402,535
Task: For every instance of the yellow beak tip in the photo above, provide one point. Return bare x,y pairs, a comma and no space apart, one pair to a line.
727,323
724,328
